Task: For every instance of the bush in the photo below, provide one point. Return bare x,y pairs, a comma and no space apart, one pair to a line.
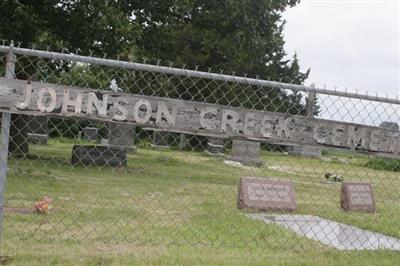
384,164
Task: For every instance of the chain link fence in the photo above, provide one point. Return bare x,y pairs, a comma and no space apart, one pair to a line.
88,182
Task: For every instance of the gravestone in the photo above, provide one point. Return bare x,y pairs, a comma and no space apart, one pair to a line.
215,146
98,155
122,136
305,151
266,194
357,197
90,133
246,152
38,124
39,139
389,125
160,139
184,143
18,143
38,129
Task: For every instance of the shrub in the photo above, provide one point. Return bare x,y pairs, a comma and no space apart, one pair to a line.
387,164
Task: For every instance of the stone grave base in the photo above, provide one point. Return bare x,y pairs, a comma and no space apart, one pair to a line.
98,155
40,139
214,150
158,146
247,161
306,151
128,149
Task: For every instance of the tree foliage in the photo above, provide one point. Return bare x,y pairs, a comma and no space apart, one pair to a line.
241,36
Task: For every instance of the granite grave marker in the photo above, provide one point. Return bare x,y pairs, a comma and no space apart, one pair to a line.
246,152
122,136
160,139
215,146
184,142
357,197
98,155
90,133
38,129
18,143
266,194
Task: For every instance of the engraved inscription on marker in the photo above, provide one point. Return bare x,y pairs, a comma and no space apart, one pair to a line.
357,197
266,194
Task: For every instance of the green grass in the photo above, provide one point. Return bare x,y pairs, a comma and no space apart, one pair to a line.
173,207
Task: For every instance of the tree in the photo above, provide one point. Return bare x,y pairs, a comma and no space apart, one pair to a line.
241,36
101,27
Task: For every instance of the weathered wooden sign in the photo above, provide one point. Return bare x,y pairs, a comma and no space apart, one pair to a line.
19,96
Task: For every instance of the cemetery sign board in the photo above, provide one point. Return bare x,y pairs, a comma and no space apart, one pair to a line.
37,98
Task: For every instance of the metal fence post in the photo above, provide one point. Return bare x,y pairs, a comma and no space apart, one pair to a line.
5,134
311,95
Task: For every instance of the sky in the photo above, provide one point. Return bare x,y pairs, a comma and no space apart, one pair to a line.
347,44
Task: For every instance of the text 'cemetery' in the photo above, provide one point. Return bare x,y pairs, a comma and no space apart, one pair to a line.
192,117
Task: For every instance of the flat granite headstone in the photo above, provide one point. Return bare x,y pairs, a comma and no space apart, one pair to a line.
357,197
98,155
122,136
266,194
90,133
215,146
160,139
246,152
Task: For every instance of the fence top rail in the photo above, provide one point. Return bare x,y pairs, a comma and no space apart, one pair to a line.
194,74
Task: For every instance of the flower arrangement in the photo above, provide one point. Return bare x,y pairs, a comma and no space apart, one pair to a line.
44,206
333,178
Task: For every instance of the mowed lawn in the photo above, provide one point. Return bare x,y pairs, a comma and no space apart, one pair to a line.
177,207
